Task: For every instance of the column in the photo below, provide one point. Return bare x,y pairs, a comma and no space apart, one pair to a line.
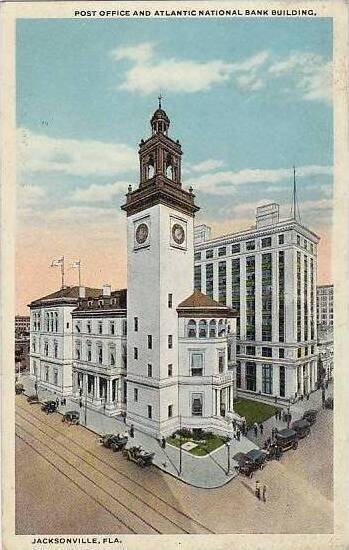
276,380
84,384
301,379
291,381
95,389
228,278
215,279
275,295
258,297
216,402
243,375
258,377
108,391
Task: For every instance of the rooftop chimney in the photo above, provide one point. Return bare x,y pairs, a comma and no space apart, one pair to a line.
267,214
106,290
82,292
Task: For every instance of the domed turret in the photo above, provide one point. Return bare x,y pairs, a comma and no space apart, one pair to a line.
160,122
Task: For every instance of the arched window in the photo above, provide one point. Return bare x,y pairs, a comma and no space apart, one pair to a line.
51,319
213,328
34,345
150,167
203,329
56,322
47,322
221,328
169,167
192,329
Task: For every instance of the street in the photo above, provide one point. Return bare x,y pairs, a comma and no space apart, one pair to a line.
67,483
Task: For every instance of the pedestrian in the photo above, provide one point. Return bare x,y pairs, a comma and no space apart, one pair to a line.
132,431
264,493
258,490
261,427
238,433
126,434
244,428
57,402
62,402
276,414
163,443
124,418
255,429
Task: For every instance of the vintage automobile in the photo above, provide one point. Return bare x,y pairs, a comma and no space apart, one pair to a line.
116,442
273,451
139,456
310,416
244,464
33,399
49,407
329,403
301,427
286,439
19,388
72,417
257,457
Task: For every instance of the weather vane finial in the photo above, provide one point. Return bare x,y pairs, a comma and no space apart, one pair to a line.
160,97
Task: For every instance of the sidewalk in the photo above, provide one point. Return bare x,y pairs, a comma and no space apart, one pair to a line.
296,409
206,472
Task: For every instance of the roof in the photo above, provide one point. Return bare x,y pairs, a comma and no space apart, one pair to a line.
67,292
102,304
201,304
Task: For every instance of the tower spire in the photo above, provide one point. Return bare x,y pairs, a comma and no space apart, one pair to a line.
160,97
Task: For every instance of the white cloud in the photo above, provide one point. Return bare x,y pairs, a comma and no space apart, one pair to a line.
251,63
225,182
29,195
37,152
100,193
207,165
312,74
138,53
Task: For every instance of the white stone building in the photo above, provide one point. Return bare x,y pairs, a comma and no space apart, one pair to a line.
325,305
51,333
267,274
100,351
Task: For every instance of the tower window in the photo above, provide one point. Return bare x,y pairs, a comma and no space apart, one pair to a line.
169,370
150,411
170,411
150,370
150,341
135,353
135,394
135,322
169,301
170,341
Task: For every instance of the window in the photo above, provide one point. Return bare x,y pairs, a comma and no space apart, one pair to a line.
202,329
197,277
150,370
251,376
191,329
209,254
169,370
67,325
135,394
196,404
267,379
78,326
196,364
89,327
55,377
170,341
222,250
238,348
235,248
222,282
112,358
100,327
112,327
281,353
213,329
169,301
221,328
170,411
46,349
150,411
250,245
124,328
150,341
220,363
238,374
306,350
100,355
34,345
55,349
298,240
299,352
282,382
56,322
135,324
312,349
46,374
209,280
281,239
197,256
266,352
89,352
135,353
250,350
266,242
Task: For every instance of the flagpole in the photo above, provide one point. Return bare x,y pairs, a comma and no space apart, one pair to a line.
62,271
80,272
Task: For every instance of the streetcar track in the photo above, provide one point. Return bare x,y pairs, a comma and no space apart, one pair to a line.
74,482
91,480
121,473
98,470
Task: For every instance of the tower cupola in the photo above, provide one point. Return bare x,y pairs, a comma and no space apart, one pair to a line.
160,122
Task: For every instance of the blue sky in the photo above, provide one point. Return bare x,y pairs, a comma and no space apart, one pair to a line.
247,98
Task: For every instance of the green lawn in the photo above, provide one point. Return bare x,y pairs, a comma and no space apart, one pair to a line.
202,449
254,411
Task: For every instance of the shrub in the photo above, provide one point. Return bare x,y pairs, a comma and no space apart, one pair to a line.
184,432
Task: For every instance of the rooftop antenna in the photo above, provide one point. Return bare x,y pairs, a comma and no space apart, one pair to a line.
295,206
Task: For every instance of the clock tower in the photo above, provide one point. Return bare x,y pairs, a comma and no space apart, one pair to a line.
160,264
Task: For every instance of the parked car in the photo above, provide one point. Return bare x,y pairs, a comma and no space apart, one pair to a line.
139,456
244,464
33,399
329,403
49,407
72,417
257,457
286,439
273,451
116,442
19,388
310,416
301,427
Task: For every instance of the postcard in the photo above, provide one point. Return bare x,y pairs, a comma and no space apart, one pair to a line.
174,265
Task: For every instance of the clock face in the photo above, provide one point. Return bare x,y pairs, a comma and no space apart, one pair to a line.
178,233
142,233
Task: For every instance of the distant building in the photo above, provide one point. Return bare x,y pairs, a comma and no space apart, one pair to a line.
325,305
267,274
326,351
22,324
